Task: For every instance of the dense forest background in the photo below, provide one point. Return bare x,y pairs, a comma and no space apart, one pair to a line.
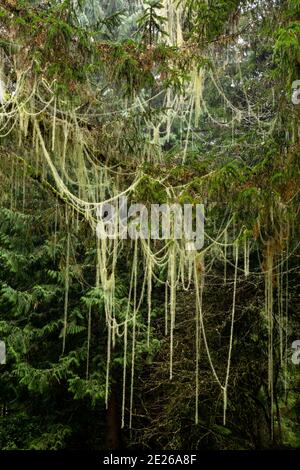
143,344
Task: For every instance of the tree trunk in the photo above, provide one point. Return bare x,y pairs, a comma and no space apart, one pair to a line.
112,440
